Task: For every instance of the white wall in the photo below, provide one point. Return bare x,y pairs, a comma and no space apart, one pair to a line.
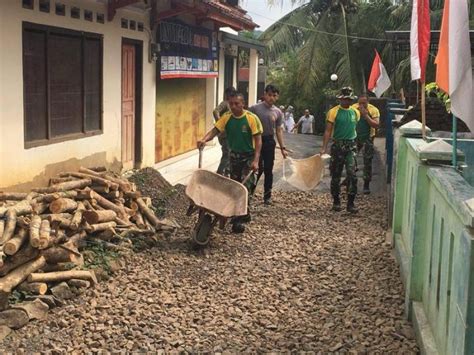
20,167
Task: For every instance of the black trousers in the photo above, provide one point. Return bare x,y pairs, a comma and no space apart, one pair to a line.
265,166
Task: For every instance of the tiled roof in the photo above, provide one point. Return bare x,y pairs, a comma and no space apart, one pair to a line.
234,12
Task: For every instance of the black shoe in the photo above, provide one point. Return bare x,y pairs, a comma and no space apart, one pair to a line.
366,187
268,202
336,205
246,219
351,208
238,228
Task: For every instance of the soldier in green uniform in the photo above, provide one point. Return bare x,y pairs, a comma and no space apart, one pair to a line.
244,137
366,130
218,112
341,123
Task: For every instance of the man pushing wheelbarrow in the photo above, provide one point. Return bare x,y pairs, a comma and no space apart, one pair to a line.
244,136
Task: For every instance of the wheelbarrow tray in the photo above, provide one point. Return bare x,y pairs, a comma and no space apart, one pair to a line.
217,194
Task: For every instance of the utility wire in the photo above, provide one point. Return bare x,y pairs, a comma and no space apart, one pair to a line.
321,32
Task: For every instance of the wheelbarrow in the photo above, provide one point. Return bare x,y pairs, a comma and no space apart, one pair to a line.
215,199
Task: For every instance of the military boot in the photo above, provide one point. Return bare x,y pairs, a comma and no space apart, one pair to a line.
351,208
336,205
366,187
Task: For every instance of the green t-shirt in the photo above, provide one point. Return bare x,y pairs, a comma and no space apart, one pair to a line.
345,122
364,131
240,130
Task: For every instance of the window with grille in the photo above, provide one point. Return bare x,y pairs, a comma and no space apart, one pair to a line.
62,75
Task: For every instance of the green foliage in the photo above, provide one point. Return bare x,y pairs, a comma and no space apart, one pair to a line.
432,90
97,256
322,37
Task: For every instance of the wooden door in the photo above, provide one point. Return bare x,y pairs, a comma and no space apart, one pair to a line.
128,106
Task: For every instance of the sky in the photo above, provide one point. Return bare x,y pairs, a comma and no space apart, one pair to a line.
265,15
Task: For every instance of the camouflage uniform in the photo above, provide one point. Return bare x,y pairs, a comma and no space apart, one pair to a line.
240,164
223,168
368,154
343,153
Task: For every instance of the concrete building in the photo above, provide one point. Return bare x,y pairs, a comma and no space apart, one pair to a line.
83,82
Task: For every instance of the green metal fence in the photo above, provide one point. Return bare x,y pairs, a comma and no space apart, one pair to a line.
433,234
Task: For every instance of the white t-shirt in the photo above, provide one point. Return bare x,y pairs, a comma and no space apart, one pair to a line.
307,124
288,122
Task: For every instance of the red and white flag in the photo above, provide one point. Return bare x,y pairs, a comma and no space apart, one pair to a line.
419,39
379,81
453,61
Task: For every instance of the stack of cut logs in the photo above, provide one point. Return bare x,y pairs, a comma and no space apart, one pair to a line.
41,232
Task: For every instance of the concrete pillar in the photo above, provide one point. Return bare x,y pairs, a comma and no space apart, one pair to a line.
236,73
253,77
220,86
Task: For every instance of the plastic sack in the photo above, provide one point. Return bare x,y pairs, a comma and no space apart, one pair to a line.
304,174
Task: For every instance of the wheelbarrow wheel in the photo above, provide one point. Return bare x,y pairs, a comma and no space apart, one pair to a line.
203,230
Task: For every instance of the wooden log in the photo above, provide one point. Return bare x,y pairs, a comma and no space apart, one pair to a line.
21,208
76,239
132,194
65,186
88,205
89,172
2,227
55,195
62,205
77,218
148,213
94,217
18,275
101,226
62,276
138,218
123,223
35,225
3,256
56,255
112,195
125,185
35,288
59,237
58,180
59,267
17,196
96,179
109,205
60,223
10,226
44,234
98,169
40,207
85,194
106,235
101,189
52,217
12,246
78,283
25,254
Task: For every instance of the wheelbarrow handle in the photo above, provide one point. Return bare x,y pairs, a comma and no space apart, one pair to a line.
200,157
247,177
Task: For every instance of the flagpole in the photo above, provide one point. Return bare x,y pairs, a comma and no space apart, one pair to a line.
423,110
455,142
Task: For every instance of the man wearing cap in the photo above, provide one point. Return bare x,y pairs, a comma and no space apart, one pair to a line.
341,123
366,129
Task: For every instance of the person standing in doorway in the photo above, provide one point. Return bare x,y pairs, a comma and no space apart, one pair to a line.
243,131
223,107
366,130
341,123
271,118
306,123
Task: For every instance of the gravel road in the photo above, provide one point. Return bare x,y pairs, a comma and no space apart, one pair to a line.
300,278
